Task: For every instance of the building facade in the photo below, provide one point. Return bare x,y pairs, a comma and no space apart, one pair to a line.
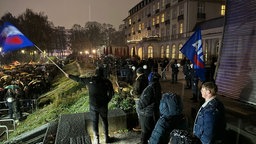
159,28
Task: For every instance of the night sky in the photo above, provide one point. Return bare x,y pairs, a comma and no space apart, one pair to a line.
69,12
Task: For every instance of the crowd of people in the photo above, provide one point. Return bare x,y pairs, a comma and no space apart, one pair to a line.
160,114
21,84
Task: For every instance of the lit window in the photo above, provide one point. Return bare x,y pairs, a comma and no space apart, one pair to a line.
162,51
153,21
162,18
157,19
181,28
139,26
168,51
130,21
173,51
223,10
150,52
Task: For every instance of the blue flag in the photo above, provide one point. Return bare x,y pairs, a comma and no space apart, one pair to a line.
193,50
12,39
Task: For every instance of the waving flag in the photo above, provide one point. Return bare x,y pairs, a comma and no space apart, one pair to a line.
12,39
193,50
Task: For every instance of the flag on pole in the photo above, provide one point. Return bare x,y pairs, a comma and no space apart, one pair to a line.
12,39
193,50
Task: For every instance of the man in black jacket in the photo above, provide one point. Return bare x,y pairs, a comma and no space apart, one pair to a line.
100,93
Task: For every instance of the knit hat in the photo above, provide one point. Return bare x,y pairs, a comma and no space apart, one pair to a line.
140,70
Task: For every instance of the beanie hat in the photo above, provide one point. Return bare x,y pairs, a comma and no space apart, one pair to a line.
140,70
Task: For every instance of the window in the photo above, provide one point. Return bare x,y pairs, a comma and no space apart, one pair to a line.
168,51
180,54
181,9
181,28
150,52
153,21
162,51
158,5
157,19
201,7
223,10
206,51
130,21
163,4
174,13
140,26
173,51
162,17
174,29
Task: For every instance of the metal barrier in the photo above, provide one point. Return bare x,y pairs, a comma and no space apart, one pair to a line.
5,131
9,120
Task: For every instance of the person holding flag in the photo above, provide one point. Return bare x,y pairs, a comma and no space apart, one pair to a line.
193,50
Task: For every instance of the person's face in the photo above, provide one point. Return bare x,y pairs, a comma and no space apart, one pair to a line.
205,92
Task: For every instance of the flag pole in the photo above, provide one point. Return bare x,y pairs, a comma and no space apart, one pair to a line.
51,61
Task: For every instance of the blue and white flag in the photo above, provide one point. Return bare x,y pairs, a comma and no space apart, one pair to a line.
12,39
193,50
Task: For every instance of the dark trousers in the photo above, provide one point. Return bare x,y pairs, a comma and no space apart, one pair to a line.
147,126
174,77
103,113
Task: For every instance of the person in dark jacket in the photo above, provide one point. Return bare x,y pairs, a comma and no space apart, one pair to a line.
210,122
100,93
171,117
139,85
148,107
175,71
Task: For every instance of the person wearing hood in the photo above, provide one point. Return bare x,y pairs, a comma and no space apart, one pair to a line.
171,117
148,107
100,93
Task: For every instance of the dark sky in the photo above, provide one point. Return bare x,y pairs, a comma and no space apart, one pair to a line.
69,12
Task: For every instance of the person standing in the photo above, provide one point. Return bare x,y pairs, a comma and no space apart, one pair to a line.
100,93
148,107
210,122
187,73
175,71
141,82
164,65
13,102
